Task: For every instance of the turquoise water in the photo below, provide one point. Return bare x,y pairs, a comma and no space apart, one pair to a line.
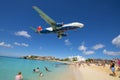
9,67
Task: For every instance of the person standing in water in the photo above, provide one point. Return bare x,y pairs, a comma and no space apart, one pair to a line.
19,76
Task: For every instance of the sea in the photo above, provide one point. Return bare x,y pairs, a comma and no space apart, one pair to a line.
9,68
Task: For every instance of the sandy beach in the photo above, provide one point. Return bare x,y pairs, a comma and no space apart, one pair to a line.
93,72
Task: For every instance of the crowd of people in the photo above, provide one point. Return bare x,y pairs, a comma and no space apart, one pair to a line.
114,65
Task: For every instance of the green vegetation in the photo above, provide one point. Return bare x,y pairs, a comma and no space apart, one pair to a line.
66,59
74,59
89,60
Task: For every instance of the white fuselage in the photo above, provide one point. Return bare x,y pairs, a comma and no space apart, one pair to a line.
73,24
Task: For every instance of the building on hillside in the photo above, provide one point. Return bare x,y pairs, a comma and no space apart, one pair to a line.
76,58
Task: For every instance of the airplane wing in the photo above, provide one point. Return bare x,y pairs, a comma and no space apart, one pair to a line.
45,17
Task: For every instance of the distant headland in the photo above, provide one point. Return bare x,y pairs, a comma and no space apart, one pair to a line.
49,58
39,57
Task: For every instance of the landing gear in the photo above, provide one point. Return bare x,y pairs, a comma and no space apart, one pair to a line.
59,36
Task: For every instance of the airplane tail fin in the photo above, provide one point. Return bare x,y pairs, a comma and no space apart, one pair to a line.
37,30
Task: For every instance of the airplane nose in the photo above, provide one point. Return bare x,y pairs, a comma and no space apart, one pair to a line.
81,25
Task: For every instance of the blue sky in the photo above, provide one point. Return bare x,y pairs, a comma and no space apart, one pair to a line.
99,38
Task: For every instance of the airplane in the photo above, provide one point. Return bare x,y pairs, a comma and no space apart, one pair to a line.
57,28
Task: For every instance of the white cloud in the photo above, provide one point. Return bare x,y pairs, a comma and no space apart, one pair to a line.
67,42
16,43
88,52
3,44
116,41
21,44
98,46
22,33
24,44
82,48
111,53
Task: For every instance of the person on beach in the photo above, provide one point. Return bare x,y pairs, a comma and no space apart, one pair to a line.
103,63
112,67
118,67
19,76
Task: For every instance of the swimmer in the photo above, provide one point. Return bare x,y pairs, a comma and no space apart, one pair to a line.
19,76
40,74
47,69
36,70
